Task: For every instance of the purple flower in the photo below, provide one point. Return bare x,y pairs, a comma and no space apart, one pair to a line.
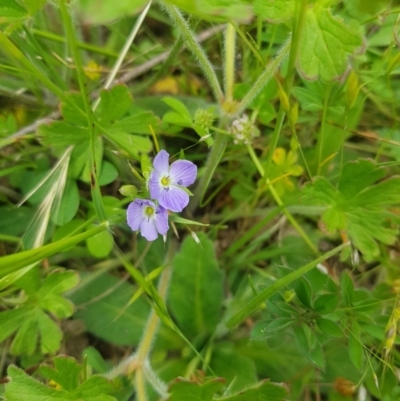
166,181
150,219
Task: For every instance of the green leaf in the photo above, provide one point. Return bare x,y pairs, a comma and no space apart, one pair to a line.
12,263
107,314
177,219
62,134
307,99
50,334
266,293
179,108
308,344
27,335
355,346
238,370
326,303
358,175
55,284
268,328
70,113
69,204
364,212
217,10
132,144
196,292
304,293
65,373
185,390
11,11
114,104
325,45
176,119
329,328
11,320
346,288
264,391
108,173
31,322
33,6
101,244
274,10
95,12
138,122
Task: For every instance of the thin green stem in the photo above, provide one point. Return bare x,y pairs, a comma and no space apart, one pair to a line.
192,44
265,77
298,26
249,44
274,139
12,51
229,71
279,202
153,321
124,51
12,263
322,131
56,38
215,156
344,131
71,39
141,87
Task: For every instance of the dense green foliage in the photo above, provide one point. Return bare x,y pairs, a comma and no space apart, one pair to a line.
280,280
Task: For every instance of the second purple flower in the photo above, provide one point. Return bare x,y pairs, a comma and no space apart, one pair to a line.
166,181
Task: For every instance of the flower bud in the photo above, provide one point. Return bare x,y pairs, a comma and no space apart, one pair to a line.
128,190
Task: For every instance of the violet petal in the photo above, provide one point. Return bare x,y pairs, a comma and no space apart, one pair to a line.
134,215
161,220
148,229
183,172
154,185
174,199
161,163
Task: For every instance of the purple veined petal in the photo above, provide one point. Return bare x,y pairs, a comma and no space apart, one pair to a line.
134,214
148,229
161,163
161,220
183,172
173,198
154,185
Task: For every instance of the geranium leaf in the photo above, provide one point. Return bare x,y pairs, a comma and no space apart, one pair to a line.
325,45
274,10
358,206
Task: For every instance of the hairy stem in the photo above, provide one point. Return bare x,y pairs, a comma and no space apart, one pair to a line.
264,77
191,43
140,385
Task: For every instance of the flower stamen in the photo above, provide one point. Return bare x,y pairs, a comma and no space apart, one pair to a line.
165,181
149,211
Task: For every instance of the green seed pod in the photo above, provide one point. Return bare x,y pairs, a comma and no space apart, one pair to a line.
128,190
